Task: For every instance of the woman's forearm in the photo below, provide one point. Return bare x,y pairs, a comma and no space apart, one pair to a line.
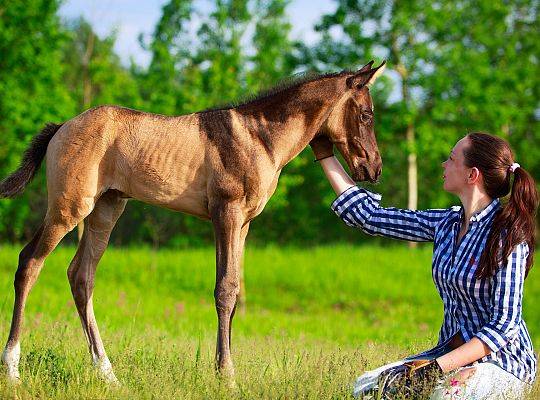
465,354
338,177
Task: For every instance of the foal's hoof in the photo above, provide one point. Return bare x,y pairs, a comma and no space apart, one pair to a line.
111,380
13,378
226,375
10,364
105,371
12,375
230,383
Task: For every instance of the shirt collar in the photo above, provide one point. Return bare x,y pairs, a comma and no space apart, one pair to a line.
486,213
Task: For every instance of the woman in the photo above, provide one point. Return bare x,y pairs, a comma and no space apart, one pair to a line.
482,252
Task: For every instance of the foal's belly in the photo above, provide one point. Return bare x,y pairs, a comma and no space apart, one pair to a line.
189,202
174,181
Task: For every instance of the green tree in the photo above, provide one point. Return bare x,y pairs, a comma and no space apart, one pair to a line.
93,73
483,77
32,93
455,72
396,31
272,61
220,54
166,84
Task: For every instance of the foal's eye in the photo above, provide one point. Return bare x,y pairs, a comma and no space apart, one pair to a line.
365,117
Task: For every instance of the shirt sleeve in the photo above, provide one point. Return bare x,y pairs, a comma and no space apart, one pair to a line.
360,208
506,298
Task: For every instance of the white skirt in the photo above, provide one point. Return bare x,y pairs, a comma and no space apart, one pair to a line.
481,381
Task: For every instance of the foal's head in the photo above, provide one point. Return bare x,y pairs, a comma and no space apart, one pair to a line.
350,125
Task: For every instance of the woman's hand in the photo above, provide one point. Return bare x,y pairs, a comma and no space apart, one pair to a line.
464,355
322,147
414,379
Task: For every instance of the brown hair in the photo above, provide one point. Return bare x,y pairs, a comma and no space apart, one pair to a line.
515,220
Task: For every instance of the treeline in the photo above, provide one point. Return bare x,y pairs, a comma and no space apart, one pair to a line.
453,67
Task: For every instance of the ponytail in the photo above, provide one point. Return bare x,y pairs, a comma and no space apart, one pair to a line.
514,223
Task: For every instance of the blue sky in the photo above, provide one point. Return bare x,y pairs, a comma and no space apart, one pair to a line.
130,18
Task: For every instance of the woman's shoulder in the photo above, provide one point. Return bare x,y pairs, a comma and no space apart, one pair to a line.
446,216
452,213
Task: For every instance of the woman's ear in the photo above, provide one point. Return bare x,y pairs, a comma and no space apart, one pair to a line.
474,175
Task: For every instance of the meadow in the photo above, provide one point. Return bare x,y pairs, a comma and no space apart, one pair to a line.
315,319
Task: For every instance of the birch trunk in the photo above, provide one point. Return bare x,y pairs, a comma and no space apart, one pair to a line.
87,95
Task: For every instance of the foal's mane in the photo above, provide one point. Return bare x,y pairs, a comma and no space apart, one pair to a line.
284,85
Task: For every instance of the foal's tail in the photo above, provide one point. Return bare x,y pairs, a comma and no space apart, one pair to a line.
32,158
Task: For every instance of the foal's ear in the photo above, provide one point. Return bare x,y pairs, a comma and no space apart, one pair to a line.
365,77
366,67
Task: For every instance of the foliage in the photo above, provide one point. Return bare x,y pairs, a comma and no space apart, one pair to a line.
91,64
449,72
31,94
462,74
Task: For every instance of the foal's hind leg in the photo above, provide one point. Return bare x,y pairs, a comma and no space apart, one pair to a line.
81,273
31,260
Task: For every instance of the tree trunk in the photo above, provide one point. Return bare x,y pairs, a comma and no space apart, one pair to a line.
412,172
87,95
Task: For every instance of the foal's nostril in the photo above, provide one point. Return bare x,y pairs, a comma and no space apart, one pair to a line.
378,172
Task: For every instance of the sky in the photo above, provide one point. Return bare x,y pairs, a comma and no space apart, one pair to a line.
130,18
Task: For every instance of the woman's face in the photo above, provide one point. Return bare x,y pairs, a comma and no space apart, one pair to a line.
455,172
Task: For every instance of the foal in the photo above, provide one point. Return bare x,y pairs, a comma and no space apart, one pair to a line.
220,164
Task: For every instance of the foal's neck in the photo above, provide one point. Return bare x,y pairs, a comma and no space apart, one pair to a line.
291,119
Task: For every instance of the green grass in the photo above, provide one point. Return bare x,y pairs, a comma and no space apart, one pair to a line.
316,318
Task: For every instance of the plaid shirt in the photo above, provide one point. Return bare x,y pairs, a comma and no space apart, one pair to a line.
489,308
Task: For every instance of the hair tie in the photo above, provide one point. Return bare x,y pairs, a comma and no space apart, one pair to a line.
514,166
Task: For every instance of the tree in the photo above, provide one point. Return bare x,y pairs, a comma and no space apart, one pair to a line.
456,73
165,84
484,77
31,72
272,61
94,74
396,31
220,56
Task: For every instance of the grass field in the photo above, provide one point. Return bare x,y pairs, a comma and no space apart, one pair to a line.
315,319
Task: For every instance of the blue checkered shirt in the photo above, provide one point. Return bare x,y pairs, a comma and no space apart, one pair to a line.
490,308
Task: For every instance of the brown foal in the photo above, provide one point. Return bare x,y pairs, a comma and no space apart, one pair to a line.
220,164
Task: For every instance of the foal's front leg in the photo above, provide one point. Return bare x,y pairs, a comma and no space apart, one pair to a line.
228,221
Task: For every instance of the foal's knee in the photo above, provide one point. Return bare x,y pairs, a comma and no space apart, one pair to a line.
78,282
225,297
78,279
21,275
25,271
25,255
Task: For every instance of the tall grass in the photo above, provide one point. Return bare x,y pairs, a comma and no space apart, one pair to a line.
315,319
